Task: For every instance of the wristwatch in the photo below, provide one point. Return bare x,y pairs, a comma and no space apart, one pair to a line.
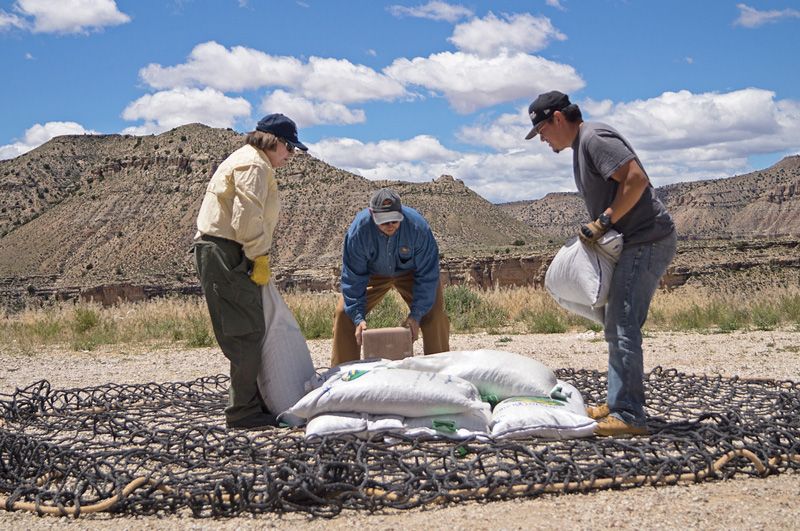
604,220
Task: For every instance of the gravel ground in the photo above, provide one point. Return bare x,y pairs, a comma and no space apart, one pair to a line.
742,503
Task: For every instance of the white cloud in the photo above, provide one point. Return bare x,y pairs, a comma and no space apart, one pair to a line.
678,136
432,10
353,154
344,82
306,113
9,20
168,109
495,176
491,35
71,16
38,134
556,4
212,65
470,82
750,17
682,120
505,133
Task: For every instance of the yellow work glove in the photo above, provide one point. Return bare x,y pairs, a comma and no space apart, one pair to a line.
261,272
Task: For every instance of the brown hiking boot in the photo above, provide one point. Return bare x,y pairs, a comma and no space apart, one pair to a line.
611,426
598,412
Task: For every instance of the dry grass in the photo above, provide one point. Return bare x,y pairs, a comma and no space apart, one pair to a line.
162,323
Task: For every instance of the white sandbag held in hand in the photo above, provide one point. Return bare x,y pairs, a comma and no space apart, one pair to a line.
285,359
579,277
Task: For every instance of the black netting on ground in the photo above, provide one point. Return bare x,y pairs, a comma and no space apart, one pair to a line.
159,448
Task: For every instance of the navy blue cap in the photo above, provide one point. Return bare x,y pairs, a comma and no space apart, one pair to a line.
281,126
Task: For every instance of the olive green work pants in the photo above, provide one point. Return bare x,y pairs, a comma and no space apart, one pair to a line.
434,326
237,315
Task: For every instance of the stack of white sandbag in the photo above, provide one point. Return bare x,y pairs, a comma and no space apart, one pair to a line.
361,398
579,277
448,394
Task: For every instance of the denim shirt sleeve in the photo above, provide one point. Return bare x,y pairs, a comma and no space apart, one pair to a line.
355,274
426,275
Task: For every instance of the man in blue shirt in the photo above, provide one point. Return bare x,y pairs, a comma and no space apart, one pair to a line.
387,246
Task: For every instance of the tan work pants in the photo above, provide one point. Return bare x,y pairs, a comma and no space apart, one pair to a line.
434,326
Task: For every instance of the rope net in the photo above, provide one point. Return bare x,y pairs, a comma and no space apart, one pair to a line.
146,449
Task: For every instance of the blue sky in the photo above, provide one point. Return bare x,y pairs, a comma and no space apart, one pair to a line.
411,90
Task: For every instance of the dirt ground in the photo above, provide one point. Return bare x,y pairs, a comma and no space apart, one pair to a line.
740,503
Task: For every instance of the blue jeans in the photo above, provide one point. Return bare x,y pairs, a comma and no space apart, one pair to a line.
633,285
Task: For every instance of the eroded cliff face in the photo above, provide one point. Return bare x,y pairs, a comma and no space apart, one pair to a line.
717,264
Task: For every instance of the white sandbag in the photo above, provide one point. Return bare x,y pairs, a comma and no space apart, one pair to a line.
455,426
497,374
567,393
581,273
285,359
336,424
348,368
474,422
542,416
390,391
598,315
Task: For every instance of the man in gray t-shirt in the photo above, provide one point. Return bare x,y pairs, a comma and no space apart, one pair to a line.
618,194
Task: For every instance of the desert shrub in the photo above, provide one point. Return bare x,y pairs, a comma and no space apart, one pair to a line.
90,329
766,316
789,307
85,319
470,311
313,312
199,333
543,321
391,311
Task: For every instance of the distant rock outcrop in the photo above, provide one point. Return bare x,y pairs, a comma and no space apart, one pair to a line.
764,203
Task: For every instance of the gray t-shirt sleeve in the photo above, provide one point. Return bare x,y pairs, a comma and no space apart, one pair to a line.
608,153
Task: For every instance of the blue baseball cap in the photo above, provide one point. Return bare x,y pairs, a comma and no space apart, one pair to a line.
281,126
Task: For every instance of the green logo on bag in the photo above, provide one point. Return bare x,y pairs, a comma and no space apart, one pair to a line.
447,426
353,374
544,400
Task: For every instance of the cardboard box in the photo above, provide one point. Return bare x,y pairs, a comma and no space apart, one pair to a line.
389,343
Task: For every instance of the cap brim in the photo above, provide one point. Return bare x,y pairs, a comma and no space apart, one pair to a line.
386,217
532,134
298,145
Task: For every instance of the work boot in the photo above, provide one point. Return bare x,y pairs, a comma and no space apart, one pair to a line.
253,422
598,412
611,426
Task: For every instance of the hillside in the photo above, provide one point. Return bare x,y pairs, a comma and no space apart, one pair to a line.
81,212
91,210
763,203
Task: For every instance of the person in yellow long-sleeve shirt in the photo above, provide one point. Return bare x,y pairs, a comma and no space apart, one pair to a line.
234,234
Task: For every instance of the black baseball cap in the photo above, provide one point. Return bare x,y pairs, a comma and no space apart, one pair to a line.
544,106
281,126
